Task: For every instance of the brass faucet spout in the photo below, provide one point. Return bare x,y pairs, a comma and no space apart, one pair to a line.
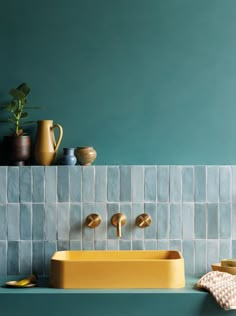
118,228
118,220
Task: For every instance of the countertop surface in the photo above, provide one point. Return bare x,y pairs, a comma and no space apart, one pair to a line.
43,300
43,288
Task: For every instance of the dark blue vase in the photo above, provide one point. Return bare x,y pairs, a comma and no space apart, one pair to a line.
68,157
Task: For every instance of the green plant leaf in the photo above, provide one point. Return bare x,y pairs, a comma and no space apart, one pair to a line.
13,106
9,120
24,115
17,94
24,88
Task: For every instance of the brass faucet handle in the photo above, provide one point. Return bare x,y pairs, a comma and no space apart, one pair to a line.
143,220
93,220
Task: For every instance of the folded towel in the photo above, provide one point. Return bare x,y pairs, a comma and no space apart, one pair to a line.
222,286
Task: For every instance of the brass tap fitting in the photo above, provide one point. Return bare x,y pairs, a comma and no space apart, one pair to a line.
143,220
93,220
118,220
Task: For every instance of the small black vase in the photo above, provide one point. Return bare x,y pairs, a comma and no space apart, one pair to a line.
17,149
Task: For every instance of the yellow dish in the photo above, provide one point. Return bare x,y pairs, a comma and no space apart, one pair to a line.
219,267
117,269
14,284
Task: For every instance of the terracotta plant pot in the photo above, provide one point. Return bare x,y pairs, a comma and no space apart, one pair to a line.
17,149
85,155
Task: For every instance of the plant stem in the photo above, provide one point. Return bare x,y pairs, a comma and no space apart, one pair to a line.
18,116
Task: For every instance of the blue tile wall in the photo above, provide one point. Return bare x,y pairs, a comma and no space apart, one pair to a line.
43,209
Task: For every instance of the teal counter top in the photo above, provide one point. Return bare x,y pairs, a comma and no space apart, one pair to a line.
43,288
45,301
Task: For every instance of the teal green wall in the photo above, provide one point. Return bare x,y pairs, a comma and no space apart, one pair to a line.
143,81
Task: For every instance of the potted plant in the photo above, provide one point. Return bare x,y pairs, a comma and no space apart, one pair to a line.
18,144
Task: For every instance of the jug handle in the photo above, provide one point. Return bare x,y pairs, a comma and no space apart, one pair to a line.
59,137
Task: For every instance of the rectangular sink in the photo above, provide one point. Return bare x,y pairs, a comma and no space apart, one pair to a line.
117,269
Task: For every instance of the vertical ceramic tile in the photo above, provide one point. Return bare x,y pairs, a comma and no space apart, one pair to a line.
200,184
150,183
13,258
212,252
63,184
113,183
137,184
233,248
137,209
175,184
75,244
212,184
25,257
25,184
150,244
3,184
38,257
100,245
112,208
50,247
13,221
188,220
87,233
200,257
137,244
3,222
212,221
163,244
225,249
88,184
163,220
200,221
233,223
151,231
162,183
63,245
100,183
125,244
38,184
50,184
63,221
126,231
233,175
50,221
225,184
112,244
26,221
3,256
187,184
75,222
13,185
189,258
175,221
75,176
125,184
175,244
38,222
225,220
87,245
100,233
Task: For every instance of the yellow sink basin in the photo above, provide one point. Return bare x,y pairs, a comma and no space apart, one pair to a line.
117,269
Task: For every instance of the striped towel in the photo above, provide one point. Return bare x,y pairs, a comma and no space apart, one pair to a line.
222,286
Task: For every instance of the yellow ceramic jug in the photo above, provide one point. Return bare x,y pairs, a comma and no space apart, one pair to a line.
46,147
